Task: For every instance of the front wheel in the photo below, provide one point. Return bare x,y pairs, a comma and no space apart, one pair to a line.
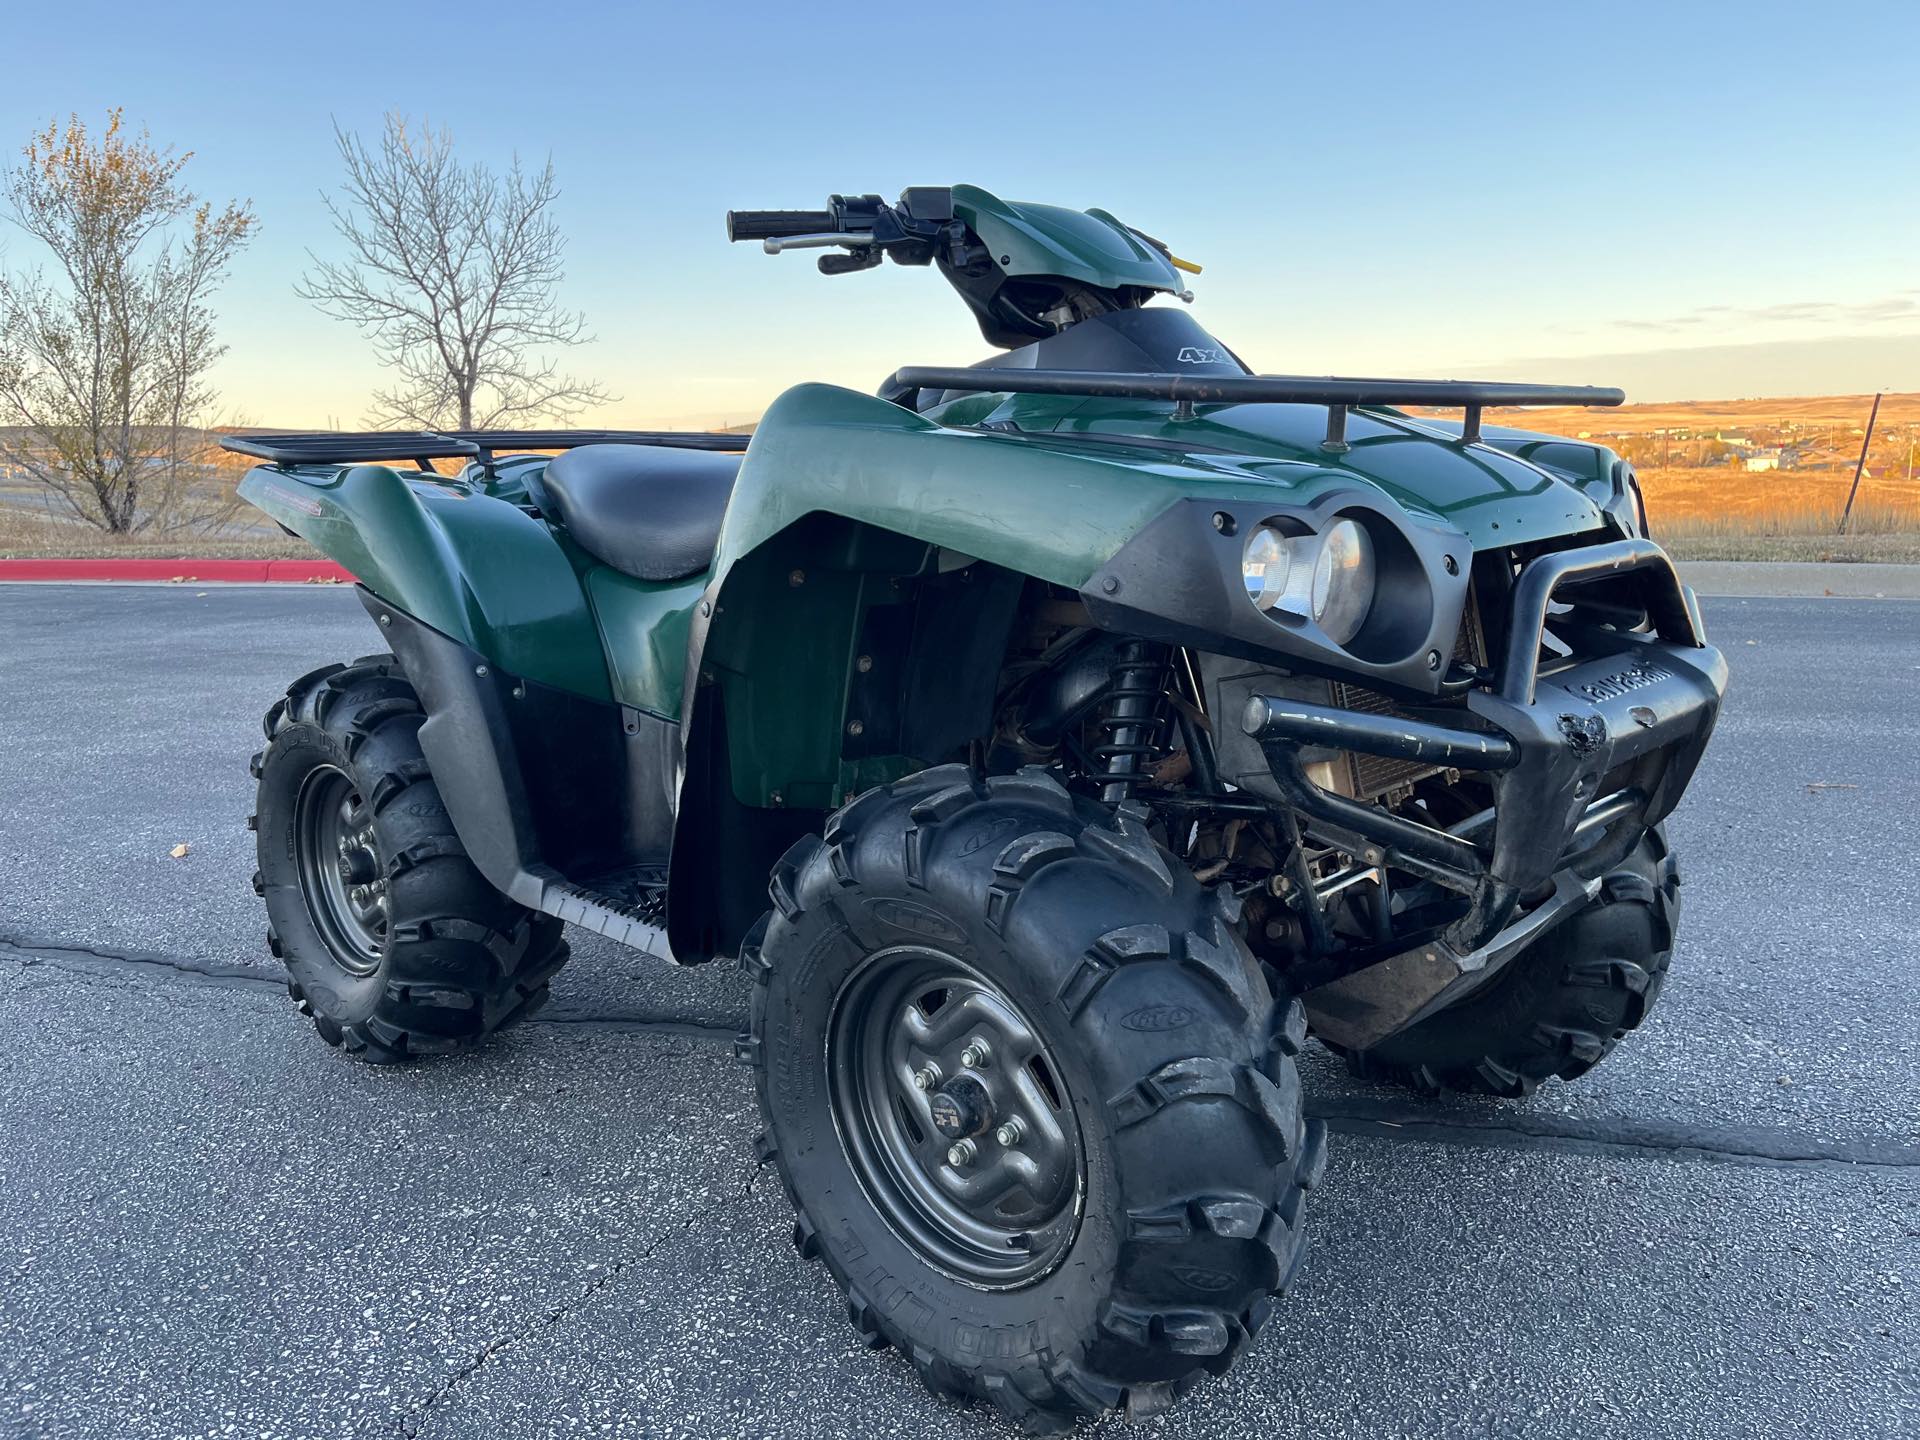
395,945
1031,1096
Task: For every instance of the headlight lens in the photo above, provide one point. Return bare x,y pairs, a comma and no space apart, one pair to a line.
1343,581
1264,566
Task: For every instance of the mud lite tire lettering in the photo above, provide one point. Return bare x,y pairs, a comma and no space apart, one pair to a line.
1174,1058
1561,1006
460,959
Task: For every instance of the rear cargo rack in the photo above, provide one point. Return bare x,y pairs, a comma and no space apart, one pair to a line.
1338,394
340,447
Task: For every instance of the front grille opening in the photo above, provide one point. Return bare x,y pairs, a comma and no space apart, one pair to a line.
1375,775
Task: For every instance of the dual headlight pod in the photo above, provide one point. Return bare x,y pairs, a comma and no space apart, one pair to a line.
1330,576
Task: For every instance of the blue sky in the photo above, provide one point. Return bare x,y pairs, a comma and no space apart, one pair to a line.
1533,190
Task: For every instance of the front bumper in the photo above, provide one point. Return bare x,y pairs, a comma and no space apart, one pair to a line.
1584,753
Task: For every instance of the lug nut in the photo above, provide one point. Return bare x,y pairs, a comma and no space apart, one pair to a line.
976,1056
1009,1133
927,1077
960,1153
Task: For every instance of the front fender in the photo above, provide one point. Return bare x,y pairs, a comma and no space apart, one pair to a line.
1038,504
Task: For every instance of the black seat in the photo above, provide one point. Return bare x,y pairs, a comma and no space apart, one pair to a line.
649,511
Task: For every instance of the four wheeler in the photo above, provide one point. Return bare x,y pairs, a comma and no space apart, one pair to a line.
1057,741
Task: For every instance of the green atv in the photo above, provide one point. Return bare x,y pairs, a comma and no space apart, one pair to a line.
1100,719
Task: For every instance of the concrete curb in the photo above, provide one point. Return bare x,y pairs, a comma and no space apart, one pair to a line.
184,571
1790,579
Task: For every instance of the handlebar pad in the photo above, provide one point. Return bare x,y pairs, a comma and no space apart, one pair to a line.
776,224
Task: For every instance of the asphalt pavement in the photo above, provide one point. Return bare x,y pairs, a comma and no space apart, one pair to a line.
211,1224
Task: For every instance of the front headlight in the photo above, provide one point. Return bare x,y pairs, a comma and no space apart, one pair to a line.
1330,576
1264,566
1344,578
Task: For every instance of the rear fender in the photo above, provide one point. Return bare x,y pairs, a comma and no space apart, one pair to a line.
478,570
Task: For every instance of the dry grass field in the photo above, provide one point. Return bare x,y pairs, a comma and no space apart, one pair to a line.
28,533
1706,504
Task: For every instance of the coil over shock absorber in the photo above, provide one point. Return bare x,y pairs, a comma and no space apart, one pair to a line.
1134,717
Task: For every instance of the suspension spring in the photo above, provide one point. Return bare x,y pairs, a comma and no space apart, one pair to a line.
1134,718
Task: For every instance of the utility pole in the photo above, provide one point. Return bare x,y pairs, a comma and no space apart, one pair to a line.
1859,465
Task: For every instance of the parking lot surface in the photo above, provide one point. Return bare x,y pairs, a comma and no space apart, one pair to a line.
211,1224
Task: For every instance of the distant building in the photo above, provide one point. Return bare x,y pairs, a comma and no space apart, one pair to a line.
1763,460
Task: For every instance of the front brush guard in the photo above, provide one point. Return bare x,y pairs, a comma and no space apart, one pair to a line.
1634,706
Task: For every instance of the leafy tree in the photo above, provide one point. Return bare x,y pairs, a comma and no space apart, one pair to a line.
104,357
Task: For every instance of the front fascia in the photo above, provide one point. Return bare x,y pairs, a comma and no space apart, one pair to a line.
1179,580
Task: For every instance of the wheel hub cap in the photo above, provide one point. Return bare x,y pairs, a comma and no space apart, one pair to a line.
983,1173
962,1110
339,870
358,867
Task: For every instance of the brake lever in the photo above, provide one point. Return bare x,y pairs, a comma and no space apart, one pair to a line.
775,244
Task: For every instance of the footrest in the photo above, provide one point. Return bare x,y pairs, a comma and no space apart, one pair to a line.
629,906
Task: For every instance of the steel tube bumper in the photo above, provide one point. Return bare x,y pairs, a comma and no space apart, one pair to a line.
1631,712
1303,723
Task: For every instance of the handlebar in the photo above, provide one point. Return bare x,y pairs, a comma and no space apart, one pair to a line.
913,232
777,224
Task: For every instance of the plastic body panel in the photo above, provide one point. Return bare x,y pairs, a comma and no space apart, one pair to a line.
1090,246
1494,497
645,626
476,569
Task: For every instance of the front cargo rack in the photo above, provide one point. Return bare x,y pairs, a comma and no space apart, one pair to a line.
342,447
1339,394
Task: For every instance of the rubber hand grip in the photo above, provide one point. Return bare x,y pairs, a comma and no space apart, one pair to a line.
775,224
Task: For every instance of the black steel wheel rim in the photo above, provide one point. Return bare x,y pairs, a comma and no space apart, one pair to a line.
955,1117
341,877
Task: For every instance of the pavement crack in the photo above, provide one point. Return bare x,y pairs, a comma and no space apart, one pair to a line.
1617,1136
1349,1115
415,1419
89,960
694,1027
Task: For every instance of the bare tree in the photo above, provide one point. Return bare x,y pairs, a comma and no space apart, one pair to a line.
103,365
453,273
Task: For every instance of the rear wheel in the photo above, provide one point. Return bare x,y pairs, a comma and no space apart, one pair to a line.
394,943
1561,1005
1031,1097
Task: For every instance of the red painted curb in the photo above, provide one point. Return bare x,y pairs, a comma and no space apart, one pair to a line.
187,571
